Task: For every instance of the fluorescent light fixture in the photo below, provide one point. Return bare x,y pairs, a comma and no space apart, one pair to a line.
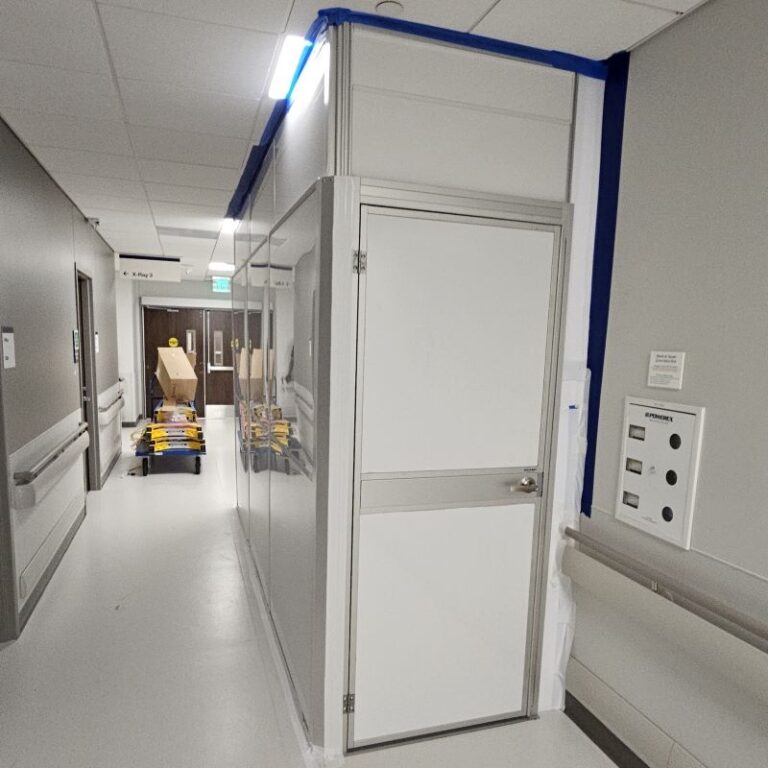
220,266
228,226
287,63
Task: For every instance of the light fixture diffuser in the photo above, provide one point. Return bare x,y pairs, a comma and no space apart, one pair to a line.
220,266
287,64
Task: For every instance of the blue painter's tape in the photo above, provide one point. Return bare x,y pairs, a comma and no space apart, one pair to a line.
579,64
614,106
334,17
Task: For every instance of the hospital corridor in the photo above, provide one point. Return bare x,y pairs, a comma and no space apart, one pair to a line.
382,385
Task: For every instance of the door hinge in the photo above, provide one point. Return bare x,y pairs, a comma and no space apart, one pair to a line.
348,703
360,262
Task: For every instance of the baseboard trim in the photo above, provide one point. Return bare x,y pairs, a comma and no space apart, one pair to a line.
602,737
111,466
45,579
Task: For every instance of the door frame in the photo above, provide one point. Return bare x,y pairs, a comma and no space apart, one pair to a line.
171,302
439,203
89,394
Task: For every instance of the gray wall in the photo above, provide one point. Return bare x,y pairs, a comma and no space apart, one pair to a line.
37,294
42,235
691,274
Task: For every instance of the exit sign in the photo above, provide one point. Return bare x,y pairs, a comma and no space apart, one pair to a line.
222,284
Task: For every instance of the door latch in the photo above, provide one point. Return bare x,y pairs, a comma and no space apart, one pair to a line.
527,484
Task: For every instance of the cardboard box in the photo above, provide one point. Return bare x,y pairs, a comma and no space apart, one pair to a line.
177,378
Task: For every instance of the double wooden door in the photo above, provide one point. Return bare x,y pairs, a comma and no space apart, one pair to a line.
207,333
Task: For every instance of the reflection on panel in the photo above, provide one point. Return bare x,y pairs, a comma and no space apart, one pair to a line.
255,368
293,287
239,344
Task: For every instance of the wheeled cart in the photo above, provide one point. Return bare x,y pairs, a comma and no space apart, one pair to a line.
173,431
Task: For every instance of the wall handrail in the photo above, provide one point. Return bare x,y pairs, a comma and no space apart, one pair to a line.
30,475
706,607
105,408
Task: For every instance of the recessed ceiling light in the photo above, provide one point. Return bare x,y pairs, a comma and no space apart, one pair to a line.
220,266
390,8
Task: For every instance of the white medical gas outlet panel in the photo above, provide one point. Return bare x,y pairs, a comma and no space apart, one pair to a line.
661,450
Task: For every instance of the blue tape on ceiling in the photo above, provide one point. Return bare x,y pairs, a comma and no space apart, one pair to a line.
334,17
614,106
557,59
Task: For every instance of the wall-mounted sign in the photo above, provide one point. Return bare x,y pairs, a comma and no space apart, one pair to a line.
163,268
9,348
277,277
665,370
221,284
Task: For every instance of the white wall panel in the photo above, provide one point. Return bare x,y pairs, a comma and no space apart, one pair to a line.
440,144
434,644
457,118
301,150
389,62
443,386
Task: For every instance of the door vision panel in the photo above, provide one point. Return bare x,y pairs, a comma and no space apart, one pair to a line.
456,327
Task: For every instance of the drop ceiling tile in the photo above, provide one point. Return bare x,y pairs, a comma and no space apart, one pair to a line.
264,15
124,220
452,14
88,202
681,6
167,106
70,132
192,217
214,198
164,172
592,28
186,147
189,54
56,33
75,184
128,241
87,163
187,247
57,91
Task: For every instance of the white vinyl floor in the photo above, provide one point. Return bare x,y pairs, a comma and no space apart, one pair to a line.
148,651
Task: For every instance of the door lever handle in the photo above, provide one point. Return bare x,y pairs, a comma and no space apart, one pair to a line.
527,484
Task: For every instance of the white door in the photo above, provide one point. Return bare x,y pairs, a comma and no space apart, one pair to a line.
455,337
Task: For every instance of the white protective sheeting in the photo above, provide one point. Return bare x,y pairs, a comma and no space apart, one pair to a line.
559,619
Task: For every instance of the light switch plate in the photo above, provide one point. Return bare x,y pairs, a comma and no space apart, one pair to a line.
9,348
658,474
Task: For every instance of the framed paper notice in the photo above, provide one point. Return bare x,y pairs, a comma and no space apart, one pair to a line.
665,370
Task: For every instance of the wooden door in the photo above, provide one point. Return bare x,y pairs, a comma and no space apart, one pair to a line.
161,324
220,358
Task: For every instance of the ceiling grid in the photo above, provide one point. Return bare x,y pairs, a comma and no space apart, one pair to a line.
144,111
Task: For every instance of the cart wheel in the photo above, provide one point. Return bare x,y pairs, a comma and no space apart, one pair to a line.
197,465
144,467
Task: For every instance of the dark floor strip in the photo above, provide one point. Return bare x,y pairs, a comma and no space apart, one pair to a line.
606,740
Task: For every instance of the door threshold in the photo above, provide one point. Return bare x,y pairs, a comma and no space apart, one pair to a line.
433,735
